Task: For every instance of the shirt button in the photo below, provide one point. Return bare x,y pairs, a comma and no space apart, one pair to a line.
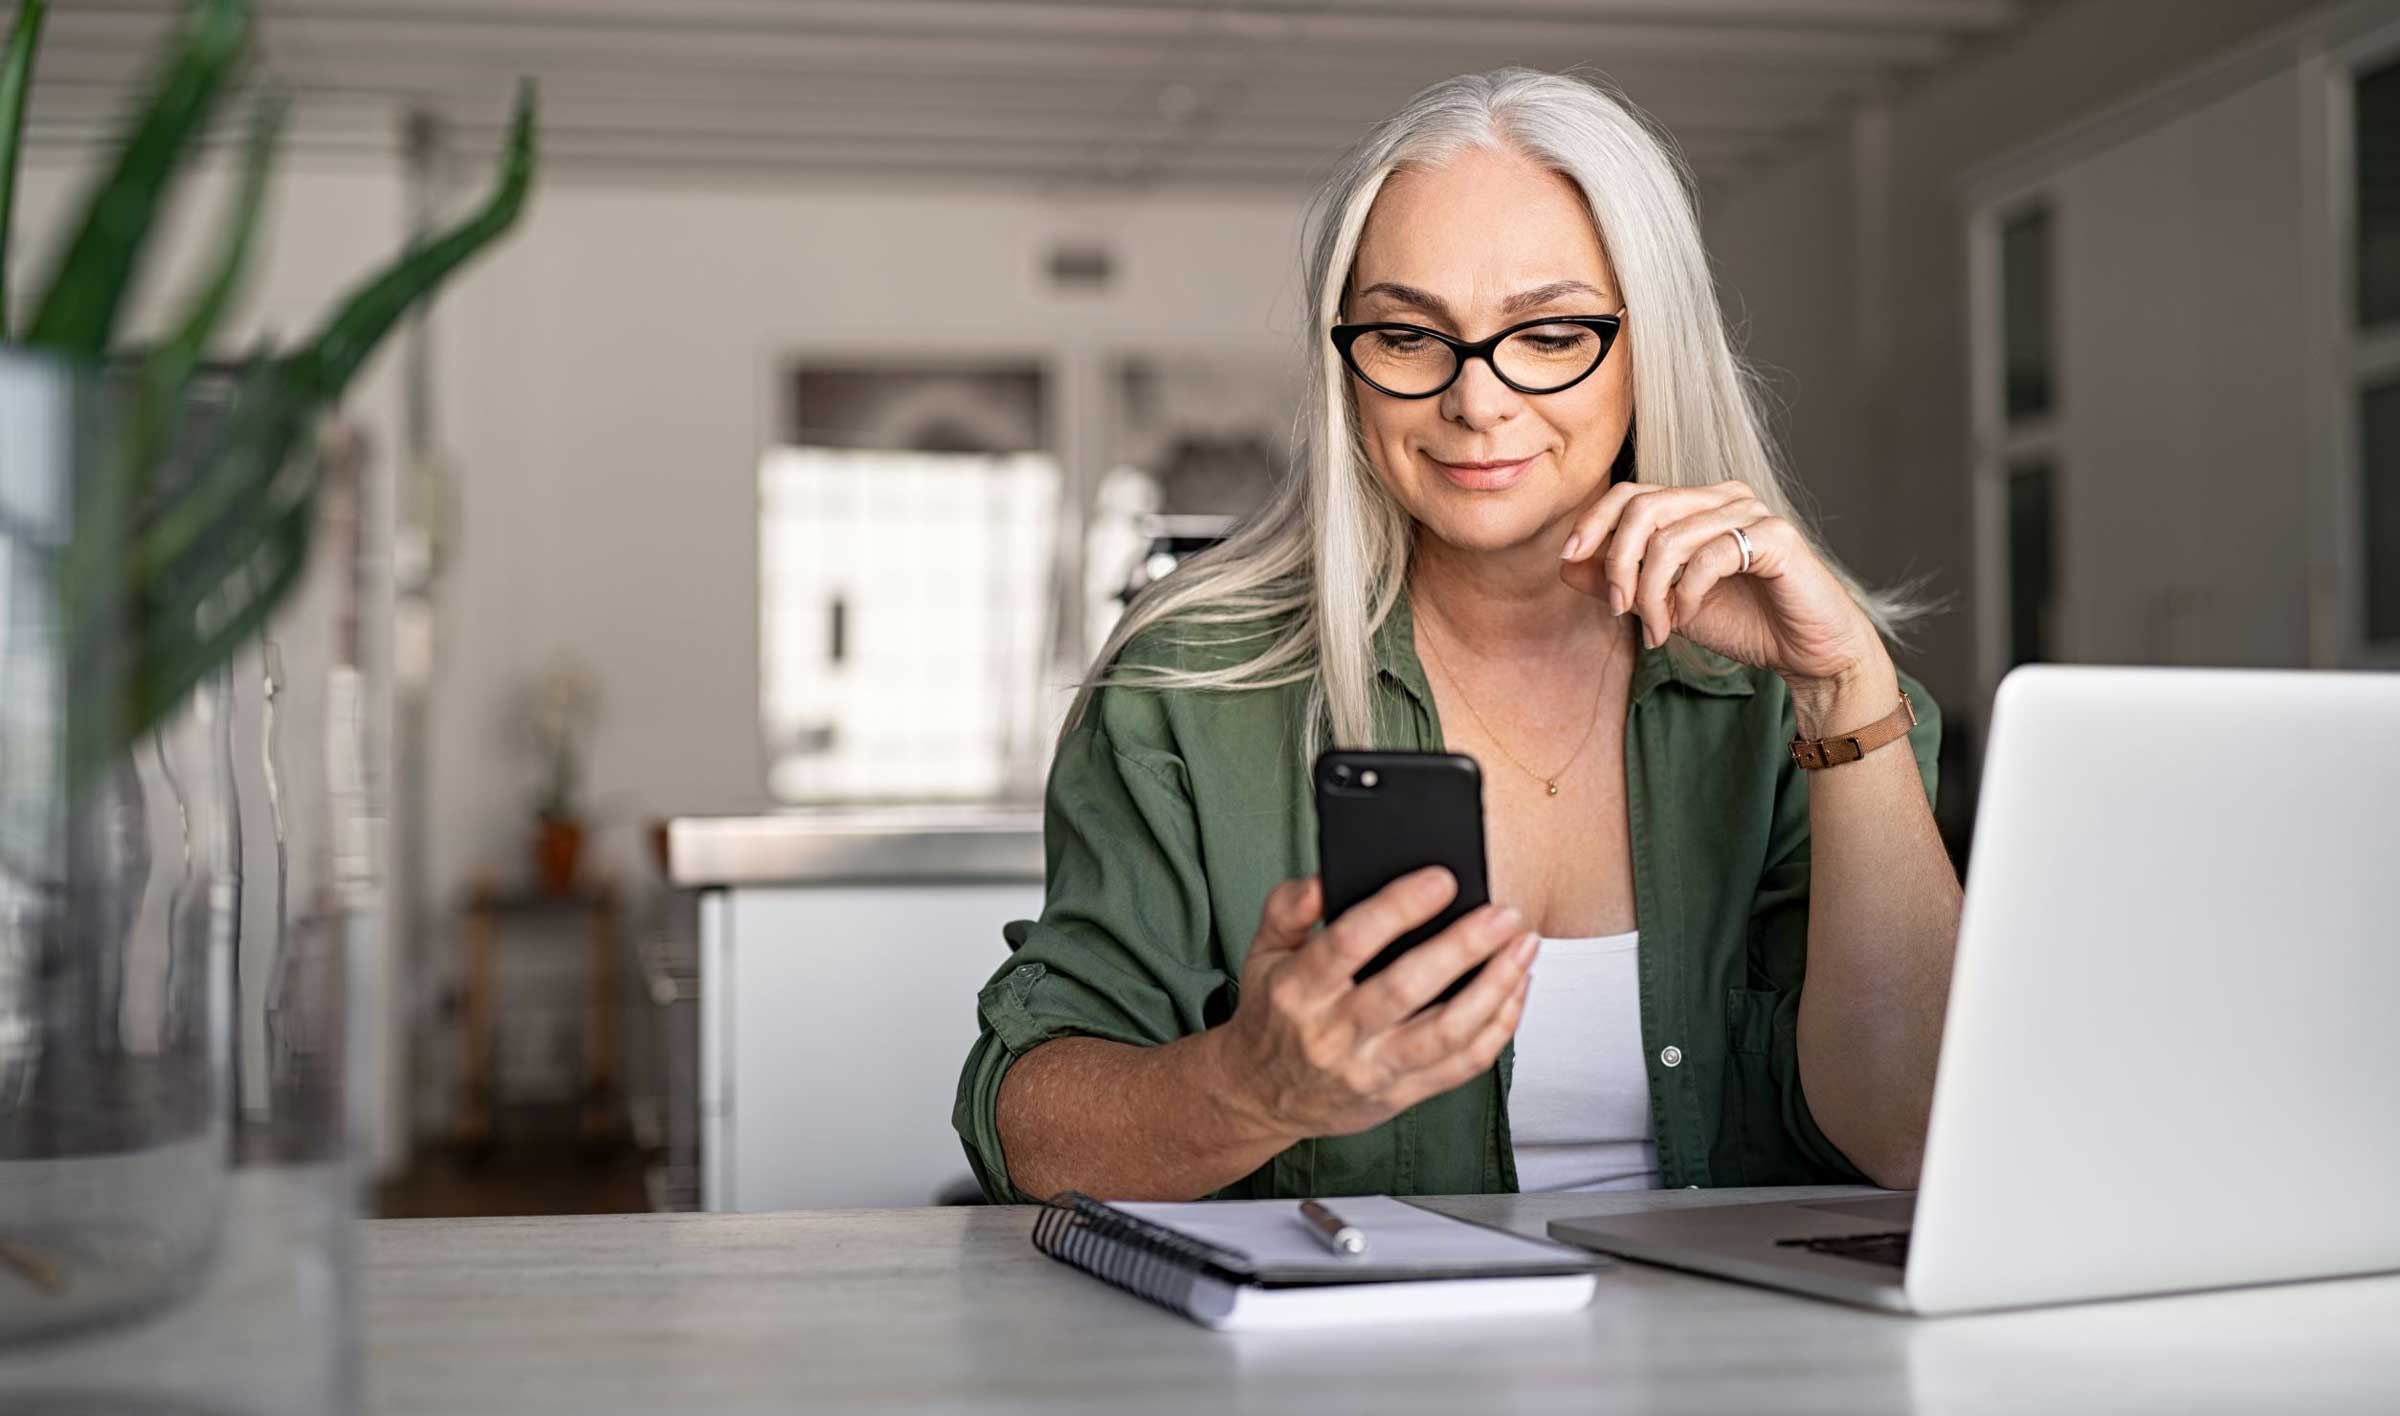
1671,1055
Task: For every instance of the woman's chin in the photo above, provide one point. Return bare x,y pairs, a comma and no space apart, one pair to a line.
1491,526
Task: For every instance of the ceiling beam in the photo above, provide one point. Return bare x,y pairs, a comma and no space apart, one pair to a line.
1166,17
671,35
598,120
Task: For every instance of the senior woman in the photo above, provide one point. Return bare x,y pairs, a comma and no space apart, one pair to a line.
1743,940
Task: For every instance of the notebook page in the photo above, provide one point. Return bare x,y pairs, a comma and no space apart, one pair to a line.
1249,1309
1400,1236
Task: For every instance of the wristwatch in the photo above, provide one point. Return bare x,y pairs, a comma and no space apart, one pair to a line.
1815,753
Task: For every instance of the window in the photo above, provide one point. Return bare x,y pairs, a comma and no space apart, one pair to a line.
2375,369
2379,507
901,621
905,579
2375,114
2025,253
2027,399
2031,563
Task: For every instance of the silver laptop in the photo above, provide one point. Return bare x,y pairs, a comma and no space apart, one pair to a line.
2172,1051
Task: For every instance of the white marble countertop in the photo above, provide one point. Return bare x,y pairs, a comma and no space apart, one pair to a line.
953,1309
820,845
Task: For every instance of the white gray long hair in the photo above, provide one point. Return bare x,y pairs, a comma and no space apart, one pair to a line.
1312,574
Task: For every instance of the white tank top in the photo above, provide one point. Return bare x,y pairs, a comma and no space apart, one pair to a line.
1579,1089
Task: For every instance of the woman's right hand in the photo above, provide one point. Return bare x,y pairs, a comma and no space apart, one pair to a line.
1309,1052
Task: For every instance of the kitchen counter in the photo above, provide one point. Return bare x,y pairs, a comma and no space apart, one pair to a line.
868,843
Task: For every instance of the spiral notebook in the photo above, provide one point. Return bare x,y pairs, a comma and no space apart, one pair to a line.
1251,1265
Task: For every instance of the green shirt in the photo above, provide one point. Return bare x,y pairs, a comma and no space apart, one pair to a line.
1170,814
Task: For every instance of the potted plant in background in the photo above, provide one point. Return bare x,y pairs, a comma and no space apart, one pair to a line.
188,871
561,708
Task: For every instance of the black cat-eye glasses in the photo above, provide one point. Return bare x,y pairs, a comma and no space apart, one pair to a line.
1548,355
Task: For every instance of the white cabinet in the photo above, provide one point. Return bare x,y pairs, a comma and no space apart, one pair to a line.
834,1019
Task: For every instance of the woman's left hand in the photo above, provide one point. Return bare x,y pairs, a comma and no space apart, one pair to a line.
1667,554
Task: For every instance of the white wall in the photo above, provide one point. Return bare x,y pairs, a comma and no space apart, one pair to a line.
1852,272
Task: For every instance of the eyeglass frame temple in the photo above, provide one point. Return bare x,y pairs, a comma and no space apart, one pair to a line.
1345,335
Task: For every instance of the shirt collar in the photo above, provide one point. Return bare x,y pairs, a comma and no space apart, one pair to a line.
1697,669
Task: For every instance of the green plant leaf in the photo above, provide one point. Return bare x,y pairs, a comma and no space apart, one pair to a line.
78,312
263,451
166,372
240,606
135,613
142,680
271,409
368,314
169,368
16,81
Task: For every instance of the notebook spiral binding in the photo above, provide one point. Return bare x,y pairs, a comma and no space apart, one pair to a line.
1122,1249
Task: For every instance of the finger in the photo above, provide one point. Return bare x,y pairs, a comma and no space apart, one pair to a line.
1775,543
1629,541
1593,526
1291,909
1363,929
1669,553
1469,1062
1717,558
1437,1033
1415,977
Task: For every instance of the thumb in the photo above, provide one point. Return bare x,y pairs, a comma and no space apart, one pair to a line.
1587,575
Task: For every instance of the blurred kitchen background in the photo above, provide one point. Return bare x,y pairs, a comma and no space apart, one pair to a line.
851,344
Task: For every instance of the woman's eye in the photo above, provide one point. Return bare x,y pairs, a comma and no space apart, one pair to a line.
1396,342
1554,343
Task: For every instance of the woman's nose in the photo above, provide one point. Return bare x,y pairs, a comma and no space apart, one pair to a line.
1477,398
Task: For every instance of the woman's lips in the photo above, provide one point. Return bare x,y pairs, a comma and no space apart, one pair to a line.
1483,476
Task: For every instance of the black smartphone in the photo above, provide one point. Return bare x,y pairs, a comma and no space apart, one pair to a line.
1381,815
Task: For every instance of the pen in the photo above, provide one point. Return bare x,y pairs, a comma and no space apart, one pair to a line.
1339,1235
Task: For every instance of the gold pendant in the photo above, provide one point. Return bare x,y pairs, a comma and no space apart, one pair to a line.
1554,786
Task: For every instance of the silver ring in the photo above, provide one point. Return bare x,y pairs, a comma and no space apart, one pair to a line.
1744,542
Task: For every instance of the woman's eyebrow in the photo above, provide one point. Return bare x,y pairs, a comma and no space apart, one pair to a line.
1410,295
1518,303
1550,294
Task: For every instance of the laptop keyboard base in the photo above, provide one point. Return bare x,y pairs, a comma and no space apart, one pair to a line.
1889,1248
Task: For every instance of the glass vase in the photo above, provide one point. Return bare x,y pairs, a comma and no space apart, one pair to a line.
179,932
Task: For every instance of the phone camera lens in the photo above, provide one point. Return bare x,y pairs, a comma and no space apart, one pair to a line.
1341,774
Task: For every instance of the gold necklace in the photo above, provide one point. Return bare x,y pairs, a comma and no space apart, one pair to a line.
1550,780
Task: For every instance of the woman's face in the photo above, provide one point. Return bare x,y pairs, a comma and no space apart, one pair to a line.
1460,248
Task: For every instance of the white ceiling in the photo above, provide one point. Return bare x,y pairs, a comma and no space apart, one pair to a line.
1041,93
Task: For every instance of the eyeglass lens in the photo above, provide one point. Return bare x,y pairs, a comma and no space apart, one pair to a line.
1538,358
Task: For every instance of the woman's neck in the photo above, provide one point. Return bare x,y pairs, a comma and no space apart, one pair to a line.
1504,606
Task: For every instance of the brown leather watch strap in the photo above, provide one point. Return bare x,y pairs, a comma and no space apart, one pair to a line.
1815,753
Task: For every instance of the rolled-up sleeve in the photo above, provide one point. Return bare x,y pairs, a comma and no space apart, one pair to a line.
1124,947
1779,931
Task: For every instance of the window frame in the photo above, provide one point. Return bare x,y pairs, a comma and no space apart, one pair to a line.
2348,359
1999,444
